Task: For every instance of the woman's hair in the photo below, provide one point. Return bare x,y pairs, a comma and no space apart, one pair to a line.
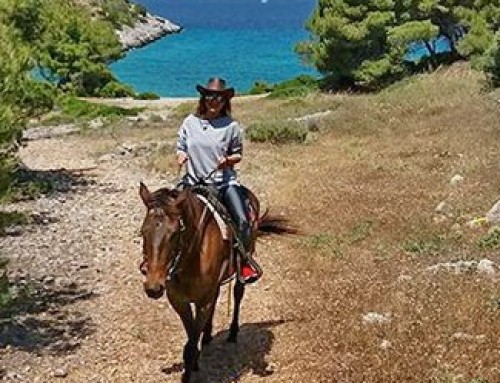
201,110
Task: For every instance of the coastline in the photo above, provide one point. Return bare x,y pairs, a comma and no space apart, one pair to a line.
146,30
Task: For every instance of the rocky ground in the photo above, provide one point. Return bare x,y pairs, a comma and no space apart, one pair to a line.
87,318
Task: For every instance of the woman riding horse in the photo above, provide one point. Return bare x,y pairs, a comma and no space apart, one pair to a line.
211,139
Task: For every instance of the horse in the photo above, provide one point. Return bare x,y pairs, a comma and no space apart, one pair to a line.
180,235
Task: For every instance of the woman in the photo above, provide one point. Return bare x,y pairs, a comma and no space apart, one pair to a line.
210,143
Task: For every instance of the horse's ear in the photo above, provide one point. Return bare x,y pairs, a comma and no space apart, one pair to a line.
180,201
145,194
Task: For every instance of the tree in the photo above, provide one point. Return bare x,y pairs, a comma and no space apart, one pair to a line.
351,41
492,62
73,47
365,43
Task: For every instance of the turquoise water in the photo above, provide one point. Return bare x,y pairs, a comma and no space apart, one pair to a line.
243,41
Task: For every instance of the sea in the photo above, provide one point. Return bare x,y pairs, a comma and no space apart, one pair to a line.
243,41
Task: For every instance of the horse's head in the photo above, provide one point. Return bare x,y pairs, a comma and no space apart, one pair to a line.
160,227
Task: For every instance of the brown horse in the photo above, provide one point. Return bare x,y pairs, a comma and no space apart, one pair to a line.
178,233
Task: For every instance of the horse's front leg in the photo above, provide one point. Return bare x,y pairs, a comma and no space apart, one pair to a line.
191,352
239,291
207,330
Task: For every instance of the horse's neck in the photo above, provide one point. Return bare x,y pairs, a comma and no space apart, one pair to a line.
192,239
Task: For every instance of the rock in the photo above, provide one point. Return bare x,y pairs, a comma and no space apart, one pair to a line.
485,266
146,30
376,318
493,216
456,180
441,208
385,344
60,373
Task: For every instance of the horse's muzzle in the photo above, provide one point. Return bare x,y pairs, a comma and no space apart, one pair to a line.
156,291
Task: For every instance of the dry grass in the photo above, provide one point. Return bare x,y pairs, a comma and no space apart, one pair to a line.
364,195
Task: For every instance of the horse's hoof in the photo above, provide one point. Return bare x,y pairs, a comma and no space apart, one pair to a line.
232,339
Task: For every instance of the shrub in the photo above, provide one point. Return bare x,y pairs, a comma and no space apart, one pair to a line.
79,109
147,96
492,65
115,89
260,87
297,87
491,241
277,132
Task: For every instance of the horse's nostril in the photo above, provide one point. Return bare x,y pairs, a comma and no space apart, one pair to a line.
154,292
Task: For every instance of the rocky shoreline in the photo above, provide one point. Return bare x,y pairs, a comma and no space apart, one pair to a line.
147,29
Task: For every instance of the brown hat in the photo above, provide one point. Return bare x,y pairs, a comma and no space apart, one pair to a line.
216,85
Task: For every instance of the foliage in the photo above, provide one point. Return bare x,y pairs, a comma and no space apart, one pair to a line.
79,109
260,87
277,132
296,87
432,245
492,61
120,12
357,44
116,89
74,49
147,96
5,294
490,241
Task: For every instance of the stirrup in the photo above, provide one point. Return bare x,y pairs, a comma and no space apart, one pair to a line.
248,274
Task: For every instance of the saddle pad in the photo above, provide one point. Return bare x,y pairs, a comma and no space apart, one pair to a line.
220,222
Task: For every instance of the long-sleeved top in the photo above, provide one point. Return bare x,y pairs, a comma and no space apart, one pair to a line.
206,142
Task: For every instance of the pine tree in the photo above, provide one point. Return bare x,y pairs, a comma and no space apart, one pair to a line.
365,43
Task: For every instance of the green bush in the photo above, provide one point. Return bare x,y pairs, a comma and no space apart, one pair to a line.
116,89
79,109
147,96
492,65
491,241
140,9
297,87
277,132
5,295
260,87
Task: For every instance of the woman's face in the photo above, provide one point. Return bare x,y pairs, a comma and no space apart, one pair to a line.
214,103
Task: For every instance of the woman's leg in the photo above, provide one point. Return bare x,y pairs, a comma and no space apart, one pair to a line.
234,198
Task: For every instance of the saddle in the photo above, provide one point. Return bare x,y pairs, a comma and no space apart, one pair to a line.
240,254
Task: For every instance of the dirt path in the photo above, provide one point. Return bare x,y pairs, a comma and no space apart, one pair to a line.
89,320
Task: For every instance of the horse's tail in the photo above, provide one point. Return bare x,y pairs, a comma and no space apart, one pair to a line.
268,224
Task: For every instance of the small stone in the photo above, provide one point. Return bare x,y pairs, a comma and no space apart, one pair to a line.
456,180
485,266
385,344
376,318
60,373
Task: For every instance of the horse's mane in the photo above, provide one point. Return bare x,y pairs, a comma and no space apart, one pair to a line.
162,197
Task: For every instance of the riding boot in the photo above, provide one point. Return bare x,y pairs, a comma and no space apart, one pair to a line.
249,269
234,197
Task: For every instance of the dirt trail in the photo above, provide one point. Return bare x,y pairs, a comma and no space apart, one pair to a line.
90,320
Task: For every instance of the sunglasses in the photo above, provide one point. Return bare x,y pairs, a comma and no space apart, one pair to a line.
213,96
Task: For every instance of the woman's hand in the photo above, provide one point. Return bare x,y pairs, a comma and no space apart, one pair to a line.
181,158
223,163
226,161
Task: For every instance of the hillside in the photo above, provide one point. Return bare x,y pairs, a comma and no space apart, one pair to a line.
392,278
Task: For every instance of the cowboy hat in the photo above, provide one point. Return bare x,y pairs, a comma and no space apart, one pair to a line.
215,85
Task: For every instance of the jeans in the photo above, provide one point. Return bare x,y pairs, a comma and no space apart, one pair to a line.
234,198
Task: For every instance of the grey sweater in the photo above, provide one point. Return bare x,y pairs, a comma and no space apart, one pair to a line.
206,142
